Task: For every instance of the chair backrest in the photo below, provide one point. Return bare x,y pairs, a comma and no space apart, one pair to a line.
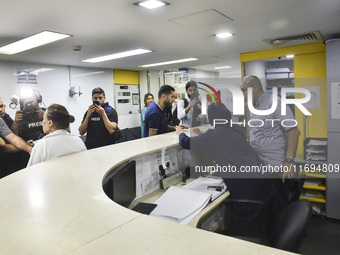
295,187
241,217
290,226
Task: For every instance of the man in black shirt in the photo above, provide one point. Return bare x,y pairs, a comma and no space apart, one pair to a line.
100,122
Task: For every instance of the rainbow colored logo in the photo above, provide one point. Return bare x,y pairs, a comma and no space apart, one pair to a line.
215,92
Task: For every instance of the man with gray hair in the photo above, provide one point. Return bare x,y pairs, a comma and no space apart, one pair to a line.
274,143
5,116
15,145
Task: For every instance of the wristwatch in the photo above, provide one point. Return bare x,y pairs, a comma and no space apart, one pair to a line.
289,160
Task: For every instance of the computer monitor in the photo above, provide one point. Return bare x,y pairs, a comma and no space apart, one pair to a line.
120,184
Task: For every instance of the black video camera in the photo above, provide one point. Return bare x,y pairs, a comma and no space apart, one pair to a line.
30,111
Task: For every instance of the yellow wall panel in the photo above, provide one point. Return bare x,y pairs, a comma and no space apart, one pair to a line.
309,70
126,77
274,53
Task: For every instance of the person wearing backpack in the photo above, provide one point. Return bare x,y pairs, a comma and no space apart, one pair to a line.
189,108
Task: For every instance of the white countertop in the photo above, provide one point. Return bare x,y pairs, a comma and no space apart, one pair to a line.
59,207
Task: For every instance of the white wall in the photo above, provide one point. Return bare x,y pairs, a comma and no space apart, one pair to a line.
155,77
54,86
256,68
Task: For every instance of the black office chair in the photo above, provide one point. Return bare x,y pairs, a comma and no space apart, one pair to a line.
295,187
290,226
288,230
242,225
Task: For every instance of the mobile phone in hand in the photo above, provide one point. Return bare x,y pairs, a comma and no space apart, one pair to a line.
95,102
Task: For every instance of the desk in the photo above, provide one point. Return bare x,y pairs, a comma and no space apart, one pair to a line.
152,197
59,207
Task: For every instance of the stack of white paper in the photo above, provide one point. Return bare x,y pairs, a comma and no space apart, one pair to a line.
202,184
317,142
180,205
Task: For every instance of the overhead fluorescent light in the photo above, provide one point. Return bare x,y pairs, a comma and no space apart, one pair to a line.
222,67
152,4
31,42
278,70
170,62
290,56
224,35
117,55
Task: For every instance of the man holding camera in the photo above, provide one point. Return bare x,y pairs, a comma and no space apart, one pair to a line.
28,120
100,122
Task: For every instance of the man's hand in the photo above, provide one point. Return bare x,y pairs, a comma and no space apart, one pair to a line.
290,173
183,126
90,110
99,109
40,114
194,102
19,116
179,130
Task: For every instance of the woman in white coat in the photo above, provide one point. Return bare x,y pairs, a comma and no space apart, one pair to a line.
58,140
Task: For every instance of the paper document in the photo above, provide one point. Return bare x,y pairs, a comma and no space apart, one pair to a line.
202,184
315,149
316,157
312,183
178,203
316,142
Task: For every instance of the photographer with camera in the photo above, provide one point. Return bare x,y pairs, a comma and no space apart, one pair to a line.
28,120
27,123
100,122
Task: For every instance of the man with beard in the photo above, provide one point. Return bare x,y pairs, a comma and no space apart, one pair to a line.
189,108
100,122
156,121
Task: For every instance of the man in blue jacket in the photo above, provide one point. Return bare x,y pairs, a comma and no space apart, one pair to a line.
229,149
100,121
156,121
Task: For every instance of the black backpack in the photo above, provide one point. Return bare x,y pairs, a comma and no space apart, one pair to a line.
175,121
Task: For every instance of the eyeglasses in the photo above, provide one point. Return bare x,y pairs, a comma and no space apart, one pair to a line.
2,105
244,89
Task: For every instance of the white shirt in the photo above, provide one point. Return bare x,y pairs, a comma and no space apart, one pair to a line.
269,140
54,145
186,118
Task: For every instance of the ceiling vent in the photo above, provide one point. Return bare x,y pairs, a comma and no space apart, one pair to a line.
292,40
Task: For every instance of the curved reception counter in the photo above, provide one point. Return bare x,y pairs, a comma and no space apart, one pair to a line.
59,207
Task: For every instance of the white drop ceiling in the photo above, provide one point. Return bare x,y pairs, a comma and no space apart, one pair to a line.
182,29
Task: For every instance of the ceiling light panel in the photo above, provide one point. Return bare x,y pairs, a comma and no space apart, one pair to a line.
151,4
224,35
117,55
222,67
170,62
31,42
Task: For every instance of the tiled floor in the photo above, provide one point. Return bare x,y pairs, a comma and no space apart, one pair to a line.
323,237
